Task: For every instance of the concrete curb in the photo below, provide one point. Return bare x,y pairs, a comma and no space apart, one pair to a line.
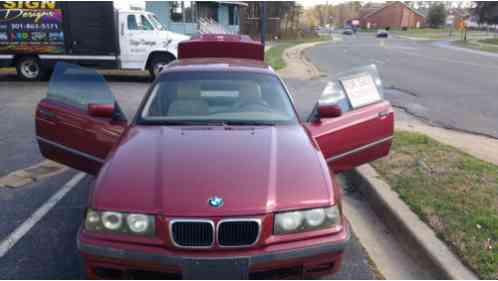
418,239
297,65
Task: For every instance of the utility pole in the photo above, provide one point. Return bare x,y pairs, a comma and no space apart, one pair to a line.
263,22
326,19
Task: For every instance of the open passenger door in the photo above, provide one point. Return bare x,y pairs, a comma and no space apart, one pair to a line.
79,121
351,122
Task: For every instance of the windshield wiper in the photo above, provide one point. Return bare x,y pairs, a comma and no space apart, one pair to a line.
213,123
193,123
249,123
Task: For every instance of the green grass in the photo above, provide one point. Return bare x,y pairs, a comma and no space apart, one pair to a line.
371,30
453,192
437,33
430,33
274,56
487,47
493,41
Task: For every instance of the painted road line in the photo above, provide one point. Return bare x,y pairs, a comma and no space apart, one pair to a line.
26,226
31,174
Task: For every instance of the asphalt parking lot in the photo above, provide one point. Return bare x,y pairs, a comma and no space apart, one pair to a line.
47,250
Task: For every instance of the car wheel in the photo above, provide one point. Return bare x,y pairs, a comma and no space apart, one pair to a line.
157,63
29,69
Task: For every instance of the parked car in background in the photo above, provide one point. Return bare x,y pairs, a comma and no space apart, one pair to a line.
347,31
86,33
216,176
382,33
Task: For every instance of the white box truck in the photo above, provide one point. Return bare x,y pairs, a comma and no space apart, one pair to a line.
36,35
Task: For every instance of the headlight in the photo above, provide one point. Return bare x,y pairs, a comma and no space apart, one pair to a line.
312,219
116,222
138,223
112,220
288,222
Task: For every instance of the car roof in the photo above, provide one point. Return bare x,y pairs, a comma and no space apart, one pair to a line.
219,64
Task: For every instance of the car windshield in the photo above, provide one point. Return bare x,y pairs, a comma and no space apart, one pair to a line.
232,98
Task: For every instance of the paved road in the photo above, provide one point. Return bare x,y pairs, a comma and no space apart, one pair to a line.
446,86
48,250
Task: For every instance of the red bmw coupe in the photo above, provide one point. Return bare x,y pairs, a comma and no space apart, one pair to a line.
216,176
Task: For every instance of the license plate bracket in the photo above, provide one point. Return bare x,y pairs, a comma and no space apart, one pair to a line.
216,269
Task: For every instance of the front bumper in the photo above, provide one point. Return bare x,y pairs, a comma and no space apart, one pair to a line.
313,260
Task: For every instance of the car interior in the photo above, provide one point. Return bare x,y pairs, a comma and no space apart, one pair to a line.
209,97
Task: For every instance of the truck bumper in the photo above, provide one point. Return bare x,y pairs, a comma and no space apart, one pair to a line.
118,261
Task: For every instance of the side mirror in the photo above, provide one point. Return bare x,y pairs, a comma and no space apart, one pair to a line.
329,111
101,110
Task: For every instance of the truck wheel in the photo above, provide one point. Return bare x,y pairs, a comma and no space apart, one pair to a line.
157,63
29,69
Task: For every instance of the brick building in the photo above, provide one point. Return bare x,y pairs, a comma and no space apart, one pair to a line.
393,14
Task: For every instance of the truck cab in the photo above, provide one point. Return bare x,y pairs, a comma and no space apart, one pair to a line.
145,43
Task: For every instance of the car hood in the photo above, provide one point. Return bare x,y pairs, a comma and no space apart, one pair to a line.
174,171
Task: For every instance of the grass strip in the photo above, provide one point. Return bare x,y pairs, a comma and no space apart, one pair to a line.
274,55
493,41
453,192
476,46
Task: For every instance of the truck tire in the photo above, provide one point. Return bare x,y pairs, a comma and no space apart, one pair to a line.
29,68
157,62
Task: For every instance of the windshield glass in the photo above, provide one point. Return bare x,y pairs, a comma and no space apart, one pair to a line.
156,22
227,97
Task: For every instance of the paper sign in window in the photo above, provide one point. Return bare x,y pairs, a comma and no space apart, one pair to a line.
361,90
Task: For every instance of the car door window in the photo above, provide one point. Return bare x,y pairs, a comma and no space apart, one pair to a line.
132,22
78,87
334,92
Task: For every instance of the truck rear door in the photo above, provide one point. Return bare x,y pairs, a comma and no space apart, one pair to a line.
90,28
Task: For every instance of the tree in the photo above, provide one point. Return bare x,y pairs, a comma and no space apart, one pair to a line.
318,15
487,12
437,15
346,11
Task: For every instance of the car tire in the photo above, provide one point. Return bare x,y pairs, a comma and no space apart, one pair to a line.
157,63
29,68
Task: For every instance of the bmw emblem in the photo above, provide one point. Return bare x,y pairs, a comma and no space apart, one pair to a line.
215,202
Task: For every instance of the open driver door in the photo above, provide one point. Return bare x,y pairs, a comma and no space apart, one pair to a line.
352,123
79,121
